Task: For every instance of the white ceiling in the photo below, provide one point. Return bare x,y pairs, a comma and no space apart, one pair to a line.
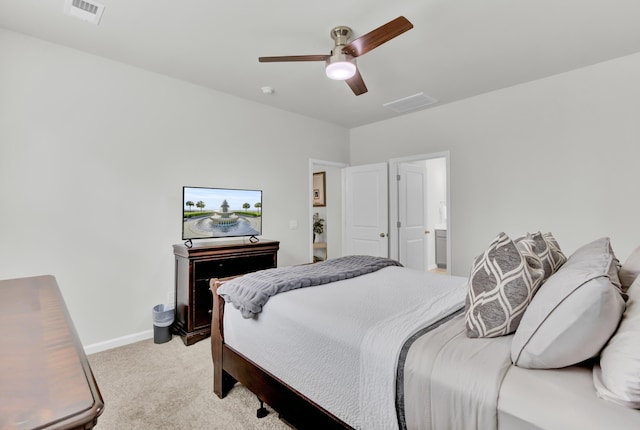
457,48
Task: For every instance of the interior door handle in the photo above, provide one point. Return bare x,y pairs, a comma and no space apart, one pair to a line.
427,231
382,235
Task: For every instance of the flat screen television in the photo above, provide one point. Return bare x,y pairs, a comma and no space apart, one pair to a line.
220,212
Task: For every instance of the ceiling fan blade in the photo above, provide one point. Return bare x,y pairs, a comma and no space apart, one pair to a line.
377,37
293,58
356,83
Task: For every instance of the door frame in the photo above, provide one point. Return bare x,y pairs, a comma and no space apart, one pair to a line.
393,201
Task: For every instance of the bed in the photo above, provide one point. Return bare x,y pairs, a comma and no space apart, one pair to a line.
391,349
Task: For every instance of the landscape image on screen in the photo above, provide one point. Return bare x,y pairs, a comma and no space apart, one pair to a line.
221,212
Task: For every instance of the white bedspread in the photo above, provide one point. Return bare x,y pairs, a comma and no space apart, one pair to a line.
340,355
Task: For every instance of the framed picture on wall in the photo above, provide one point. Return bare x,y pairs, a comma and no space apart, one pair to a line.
319,196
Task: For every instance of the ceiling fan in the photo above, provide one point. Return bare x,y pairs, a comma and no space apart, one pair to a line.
341,63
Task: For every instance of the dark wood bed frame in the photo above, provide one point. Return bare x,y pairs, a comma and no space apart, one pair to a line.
230,366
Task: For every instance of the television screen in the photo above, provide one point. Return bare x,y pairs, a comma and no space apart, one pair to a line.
220,212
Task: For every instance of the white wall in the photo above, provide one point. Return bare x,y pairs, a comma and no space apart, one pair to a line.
93,157
558,154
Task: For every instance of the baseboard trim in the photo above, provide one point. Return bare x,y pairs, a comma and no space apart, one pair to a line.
119,341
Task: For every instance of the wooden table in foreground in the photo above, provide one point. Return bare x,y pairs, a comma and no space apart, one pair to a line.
45,378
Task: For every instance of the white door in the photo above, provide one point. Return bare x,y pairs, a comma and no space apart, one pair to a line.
412,216
366,210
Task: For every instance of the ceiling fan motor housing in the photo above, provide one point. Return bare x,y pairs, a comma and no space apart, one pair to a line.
341,35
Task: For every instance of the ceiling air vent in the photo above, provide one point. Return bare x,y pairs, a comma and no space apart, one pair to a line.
410,103
89,11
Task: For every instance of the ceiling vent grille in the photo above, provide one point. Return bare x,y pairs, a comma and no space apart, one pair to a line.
89,11
413,102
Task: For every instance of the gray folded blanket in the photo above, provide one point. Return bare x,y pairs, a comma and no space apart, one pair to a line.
250,292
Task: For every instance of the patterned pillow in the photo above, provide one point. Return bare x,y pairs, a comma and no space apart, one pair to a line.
548,250
502,283
556,256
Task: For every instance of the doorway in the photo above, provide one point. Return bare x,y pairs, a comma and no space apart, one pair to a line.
327,244
418,212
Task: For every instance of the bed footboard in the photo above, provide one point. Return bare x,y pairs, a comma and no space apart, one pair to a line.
230,366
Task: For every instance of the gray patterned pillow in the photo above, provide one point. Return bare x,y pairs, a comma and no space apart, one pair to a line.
547,249
502,283
556,256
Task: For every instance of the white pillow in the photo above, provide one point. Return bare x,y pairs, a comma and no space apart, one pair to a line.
630,269
617,378
573,314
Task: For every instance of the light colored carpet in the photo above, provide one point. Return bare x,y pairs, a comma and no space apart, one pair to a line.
170,386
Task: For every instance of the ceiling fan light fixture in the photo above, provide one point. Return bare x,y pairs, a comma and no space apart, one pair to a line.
341,67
